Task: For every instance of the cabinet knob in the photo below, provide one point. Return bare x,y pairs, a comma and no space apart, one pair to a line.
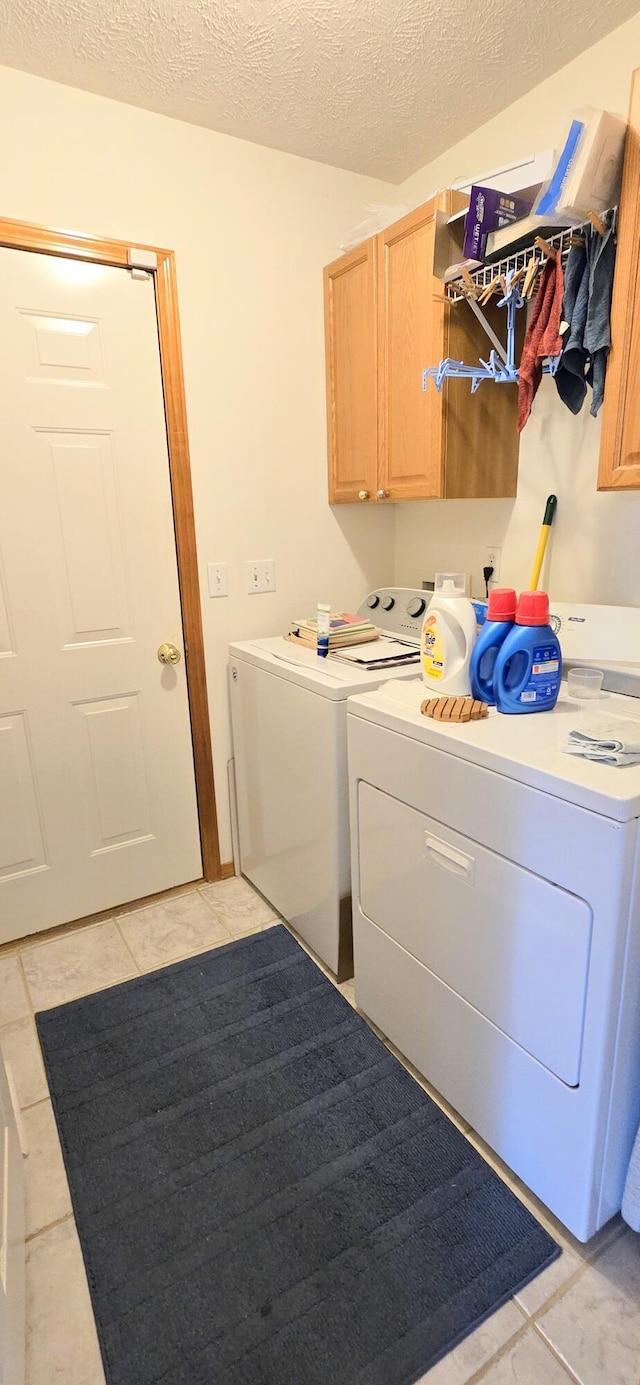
382,495
363,495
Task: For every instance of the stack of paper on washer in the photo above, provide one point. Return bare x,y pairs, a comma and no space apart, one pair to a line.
382,653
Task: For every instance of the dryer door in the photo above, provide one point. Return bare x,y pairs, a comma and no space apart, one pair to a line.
514,946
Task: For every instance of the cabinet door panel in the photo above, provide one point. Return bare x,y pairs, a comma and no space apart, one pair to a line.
620,447
352,370
481,441
411,335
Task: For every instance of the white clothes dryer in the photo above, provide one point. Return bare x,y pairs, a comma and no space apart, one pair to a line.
497,932
289,727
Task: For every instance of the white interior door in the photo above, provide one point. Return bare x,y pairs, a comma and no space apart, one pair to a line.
97,789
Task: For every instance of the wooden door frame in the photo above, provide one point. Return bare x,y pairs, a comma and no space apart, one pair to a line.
22,235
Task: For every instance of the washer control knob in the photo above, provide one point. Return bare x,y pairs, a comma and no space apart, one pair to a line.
388,603
373,601
416,606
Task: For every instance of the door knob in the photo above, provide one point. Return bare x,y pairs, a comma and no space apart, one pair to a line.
363,495
381,495
168,654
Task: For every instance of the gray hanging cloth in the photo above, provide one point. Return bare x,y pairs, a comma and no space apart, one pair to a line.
570,376
586,308
601,253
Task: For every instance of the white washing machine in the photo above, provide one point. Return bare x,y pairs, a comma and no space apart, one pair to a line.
289,726
496,919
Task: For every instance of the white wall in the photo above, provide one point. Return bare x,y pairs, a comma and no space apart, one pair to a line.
252,229
594,550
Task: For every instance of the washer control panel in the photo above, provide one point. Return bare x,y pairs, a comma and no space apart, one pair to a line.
397,610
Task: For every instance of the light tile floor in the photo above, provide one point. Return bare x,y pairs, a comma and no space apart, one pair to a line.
578,1321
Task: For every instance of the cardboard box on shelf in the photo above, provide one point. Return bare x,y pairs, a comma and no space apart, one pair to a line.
490,210
520,180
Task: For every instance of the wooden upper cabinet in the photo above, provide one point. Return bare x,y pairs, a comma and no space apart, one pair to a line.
386,319
410,336
480,435
620,445
352,374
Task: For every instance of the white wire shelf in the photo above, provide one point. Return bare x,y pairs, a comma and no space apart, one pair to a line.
519,259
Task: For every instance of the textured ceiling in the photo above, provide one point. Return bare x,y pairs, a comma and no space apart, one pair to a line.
376,86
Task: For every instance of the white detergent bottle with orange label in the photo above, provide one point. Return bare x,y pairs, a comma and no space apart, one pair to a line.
449,632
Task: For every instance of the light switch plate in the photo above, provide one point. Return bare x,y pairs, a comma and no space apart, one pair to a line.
217,579
260,575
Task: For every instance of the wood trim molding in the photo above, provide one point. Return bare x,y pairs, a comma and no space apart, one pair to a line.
227,870
179,465
619,466
21,235
24,235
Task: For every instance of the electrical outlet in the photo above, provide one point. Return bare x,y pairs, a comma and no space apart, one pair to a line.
492,555
217,579
260,575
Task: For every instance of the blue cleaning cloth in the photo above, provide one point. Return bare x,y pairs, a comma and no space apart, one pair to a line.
570,376
601,253
587,308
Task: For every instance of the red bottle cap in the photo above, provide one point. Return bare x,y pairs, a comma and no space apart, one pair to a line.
502,604
533,609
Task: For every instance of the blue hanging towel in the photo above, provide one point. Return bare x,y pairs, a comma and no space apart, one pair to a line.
570,376
587,310
601,253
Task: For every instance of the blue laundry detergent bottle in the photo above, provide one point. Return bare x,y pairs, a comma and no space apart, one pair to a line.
501,614
528,667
